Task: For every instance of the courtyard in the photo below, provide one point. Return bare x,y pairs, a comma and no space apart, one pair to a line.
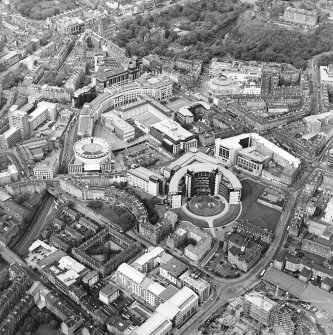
206,205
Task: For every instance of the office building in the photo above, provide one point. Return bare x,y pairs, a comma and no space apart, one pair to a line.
118,126
44,111
110,72
173,137
158,88
200,286
227,149
69,25
256,155
48,168
119,326
137,283
157,324
260,308
147,180
10,137
19,120
65,272
172,268
149,260
180,307
184,116
108,294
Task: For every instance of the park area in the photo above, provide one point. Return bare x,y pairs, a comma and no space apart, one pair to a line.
260,215
119,215
40,10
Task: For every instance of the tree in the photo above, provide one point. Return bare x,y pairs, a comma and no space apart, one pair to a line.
70,204
95,204
53,324
126,221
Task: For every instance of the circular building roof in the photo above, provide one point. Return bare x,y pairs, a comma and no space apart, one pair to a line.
92,147
222,81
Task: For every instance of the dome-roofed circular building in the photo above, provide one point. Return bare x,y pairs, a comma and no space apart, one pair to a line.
222,85
92,151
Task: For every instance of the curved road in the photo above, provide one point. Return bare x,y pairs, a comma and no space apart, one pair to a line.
230,288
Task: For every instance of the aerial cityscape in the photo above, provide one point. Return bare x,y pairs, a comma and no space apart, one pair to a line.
166,167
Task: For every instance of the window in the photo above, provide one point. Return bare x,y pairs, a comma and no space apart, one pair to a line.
224,153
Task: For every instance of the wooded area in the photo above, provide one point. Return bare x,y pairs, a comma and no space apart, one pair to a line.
206,23
279,45
40,10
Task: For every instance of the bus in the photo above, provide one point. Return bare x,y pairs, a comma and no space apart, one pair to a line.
262,273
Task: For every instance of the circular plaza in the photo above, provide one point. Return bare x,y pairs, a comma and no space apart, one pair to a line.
206,205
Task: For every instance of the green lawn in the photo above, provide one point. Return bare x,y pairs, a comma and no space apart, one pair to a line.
256,213
109,213
228,217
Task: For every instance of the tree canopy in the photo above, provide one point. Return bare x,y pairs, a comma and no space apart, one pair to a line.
278,45
40,10
204,25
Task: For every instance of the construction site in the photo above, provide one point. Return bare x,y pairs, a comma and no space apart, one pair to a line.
267,309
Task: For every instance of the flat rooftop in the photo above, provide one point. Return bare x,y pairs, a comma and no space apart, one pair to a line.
147,119
85,122
144,173
173,130
174,267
